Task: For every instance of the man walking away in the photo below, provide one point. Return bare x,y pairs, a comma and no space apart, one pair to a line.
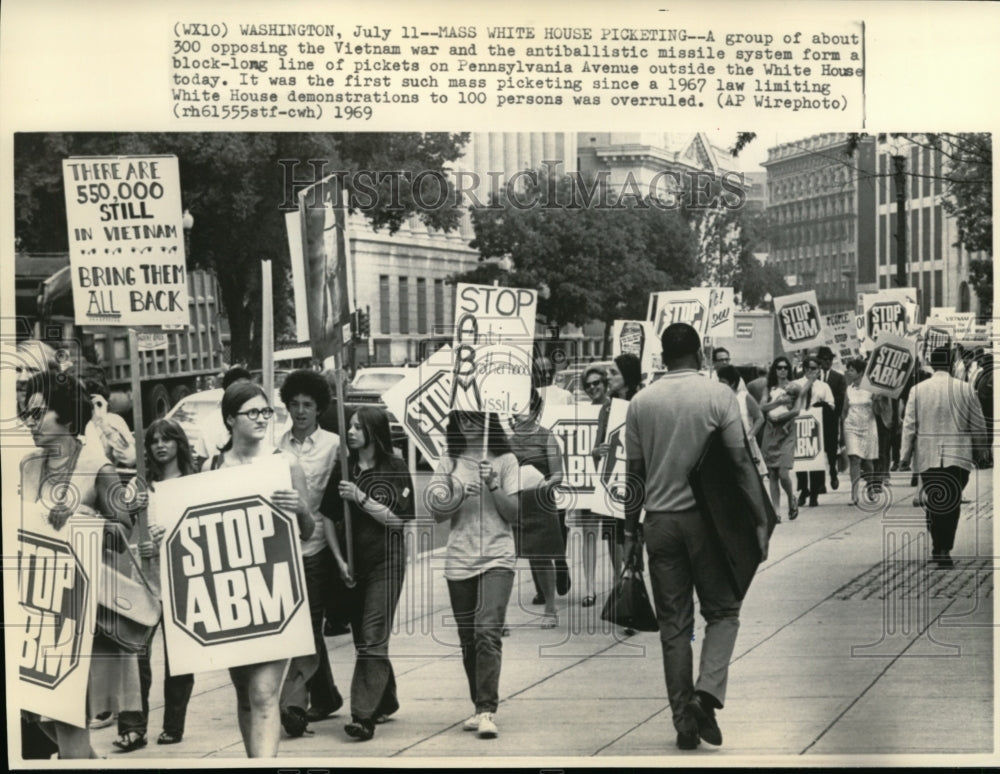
945,429
667,427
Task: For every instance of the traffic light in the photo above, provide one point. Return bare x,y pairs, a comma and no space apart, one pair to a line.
364,324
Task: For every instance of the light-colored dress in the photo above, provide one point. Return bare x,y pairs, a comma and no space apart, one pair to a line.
860,430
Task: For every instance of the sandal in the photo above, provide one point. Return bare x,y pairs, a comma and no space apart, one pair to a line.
793,512
167,738
130,740
550,621
588,601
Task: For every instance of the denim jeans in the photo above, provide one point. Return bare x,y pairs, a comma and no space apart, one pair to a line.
320,571
480,607
373,685
176,695
683,559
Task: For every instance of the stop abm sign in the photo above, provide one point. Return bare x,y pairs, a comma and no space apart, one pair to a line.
233,582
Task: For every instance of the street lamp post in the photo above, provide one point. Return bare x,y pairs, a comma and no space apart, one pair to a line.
187,222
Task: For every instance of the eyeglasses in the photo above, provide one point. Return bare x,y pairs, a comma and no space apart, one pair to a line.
33,414
256,413
592,385
812,368
781,368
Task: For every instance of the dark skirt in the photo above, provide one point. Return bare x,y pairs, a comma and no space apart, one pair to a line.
537,533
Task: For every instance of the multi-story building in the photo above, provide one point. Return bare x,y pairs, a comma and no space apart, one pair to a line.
935,263
822,203
402,278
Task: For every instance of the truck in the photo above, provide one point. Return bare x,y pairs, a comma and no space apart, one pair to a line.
172,363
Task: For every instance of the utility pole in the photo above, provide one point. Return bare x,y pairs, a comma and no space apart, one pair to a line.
899,178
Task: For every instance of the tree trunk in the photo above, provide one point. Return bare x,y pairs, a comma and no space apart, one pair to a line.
608,325
233,289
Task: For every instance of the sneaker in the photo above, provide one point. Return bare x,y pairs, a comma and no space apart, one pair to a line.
472,724
700,708
487,728
103,720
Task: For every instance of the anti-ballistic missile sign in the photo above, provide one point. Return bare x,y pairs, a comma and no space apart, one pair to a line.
799,321
687,306
842,335
494,333
575,428
610,493
891,311
890,365
231,569
58,573
935,333
637,337
126,240
422,399
809,453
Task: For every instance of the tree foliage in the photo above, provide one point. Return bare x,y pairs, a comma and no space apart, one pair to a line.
238,186
599,257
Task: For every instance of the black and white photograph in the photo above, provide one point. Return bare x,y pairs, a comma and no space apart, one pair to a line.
361,438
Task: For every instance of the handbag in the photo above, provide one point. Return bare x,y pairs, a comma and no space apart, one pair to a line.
128,610
628,605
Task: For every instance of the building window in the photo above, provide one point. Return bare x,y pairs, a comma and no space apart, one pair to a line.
439,306
914,244
404,305
926,168
925,227
938,288
883,171
925,300
938,236
883,222
914,168
384,305
421,305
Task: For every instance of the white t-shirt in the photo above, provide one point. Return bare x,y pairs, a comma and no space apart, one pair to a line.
479,539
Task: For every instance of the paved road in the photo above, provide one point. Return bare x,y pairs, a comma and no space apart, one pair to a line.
850,645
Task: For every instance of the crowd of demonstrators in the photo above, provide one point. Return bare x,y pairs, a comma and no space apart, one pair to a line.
475,489
378,489
310,692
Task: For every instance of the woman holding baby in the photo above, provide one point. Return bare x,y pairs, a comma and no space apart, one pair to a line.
778,446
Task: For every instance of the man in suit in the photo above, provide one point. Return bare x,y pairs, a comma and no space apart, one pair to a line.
945,430
831,417
813,392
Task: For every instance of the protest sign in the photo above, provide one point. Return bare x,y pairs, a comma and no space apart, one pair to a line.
575,428
842,335
639,338
58,573
933,334
721,313
687,306
610,491
893,310
799,321
421,401
809,453
494,335
960,322
231,569
890,365
126,240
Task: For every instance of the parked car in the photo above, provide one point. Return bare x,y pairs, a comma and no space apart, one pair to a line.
200,416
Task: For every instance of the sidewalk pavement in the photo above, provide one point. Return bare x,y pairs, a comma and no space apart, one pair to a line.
851,646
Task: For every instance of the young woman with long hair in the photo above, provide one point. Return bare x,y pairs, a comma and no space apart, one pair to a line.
475,488
168,456
380,492
778,446
246,412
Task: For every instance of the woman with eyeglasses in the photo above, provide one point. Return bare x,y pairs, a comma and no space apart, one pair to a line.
600,385
246,413
70,479
778,447
379,490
